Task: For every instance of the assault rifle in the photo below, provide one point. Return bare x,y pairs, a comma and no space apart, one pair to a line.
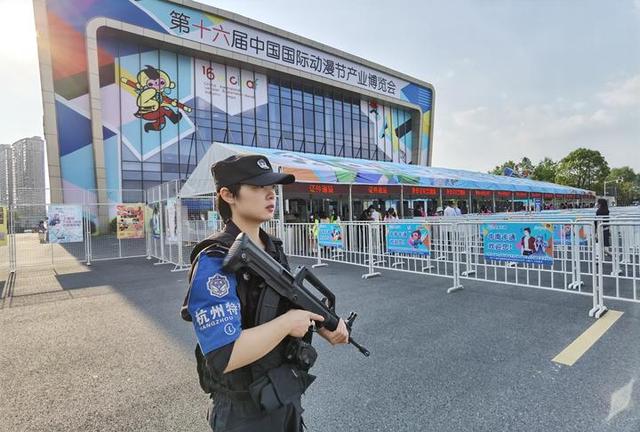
246,254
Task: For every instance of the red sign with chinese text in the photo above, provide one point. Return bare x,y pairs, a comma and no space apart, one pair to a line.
463,193
425,191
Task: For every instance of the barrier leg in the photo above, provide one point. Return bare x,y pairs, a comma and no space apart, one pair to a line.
371,272
598,309
319,263
469,270
576,271
457,285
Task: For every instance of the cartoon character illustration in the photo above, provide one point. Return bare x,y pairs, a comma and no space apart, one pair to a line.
415,239
336,234
540,246
527,242
153,85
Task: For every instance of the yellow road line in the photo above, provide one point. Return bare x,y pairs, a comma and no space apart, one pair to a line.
586,340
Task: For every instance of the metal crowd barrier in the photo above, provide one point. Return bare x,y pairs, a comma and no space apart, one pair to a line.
580,262
617,260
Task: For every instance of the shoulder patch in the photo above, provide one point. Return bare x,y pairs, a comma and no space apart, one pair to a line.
218,285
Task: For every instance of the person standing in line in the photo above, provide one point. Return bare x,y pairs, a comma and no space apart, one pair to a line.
602,213
450,210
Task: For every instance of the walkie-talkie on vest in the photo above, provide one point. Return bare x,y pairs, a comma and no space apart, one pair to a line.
244,254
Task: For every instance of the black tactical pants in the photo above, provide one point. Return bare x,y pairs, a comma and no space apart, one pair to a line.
226,415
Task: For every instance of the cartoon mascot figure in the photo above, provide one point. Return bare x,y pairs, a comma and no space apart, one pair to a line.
152,87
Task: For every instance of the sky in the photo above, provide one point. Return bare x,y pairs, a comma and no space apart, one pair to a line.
513,78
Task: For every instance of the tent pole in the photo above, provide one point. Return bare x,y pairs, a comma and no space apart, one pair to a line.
350,204
281,208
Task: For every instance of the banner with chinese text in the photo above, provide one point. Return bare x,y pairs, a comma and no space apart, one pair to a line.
330,234
65,223
519,242
411,238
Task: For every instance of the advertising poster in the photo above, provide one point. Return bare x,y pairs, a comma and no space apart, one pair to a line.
154,220
130,221
65,223
411,238
520,242
330,234
3,226
171,222
562,235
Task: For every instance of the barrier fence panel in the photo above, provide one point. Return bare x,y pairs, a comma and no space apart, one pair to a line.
114,233
167,215
31,245
46,238
417,247
496,252
617,260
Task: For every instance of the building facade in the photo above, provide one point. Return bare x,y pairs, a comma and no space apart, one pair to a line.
135,92
6,174
28,171
22,181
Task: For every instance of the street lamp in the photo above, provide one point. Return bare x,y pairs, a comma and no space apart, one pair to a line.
618,180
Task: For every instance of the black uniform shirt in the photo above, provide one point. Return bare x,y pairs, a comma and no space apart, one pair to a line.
249,289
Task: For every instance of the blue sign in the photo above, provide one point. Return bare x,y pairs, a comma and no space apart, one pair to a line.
519,242
562,234
412,238
538,204
330,234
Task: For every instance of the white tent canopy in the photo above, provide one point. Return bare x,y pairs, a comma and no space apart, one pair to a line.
315,168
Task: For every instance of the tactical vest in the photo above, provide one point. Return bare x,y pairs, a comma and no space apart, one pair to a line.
236,384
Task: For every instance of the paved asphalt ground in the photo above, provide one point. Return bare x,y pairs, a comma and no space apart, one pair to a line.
107,351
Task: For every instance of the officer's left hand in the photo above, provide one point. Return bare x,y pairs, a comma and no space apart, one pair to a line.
339,336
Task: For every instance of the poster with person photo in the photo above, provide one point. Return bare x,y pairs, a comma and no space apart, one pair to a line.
330,235
518,242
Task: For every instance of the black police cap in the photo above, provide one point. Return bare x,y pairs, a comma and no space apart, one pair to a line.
249,169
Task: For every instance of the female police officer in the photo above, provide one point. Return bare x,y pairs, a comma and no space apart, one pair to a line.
249,367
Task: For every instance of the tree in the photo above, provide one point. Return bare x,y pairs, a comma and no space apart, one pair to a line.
524,168
583,168
622,182
545,170
499,169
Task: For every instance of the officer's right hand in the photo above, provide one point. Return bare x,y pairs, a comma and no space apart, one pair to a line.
298,321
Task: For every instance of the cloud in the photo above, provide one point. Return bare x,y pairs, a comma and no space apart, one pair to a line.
485,135
473,119
622,94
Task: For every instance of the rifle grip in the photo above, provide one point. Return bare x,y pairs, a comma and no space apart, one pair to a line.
302,273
